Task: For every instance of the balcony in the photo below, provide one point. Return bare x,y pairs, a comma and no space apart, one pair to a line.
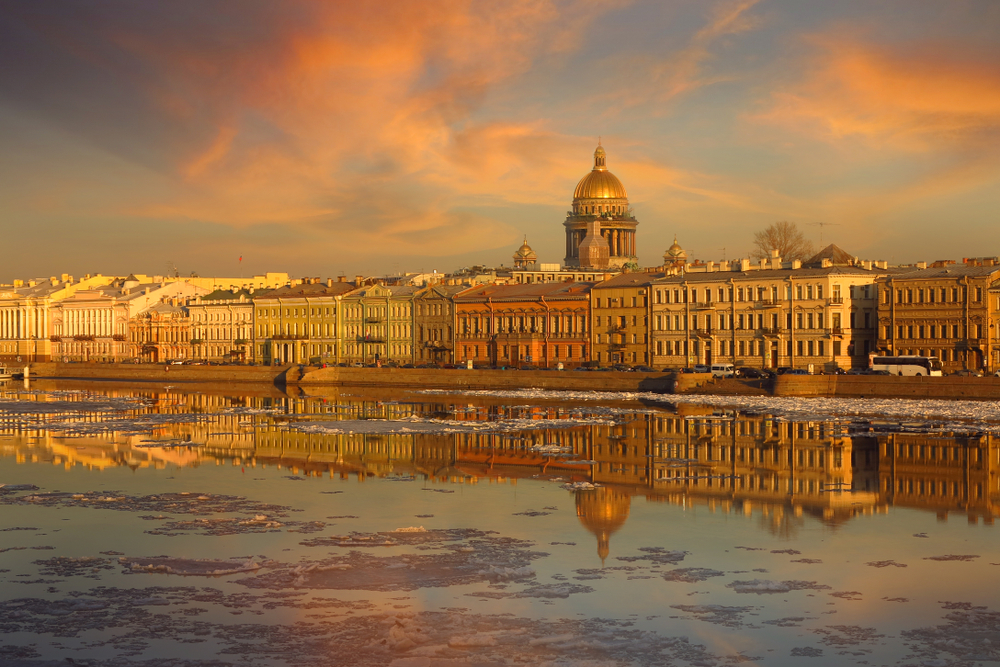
835,300
766,303
703,305
375,319
836,331
702,333
769,331
373,339
290,337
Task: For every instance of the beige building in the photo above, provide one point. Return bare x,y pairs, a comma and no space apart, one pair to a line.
949,311
766,315
434,324
621,312
222,325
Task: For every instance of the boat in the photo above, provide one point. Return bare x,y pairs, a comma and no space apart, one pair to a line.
4,373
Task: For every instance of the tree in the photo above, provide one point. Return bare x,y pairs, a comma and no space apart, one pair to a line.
784,237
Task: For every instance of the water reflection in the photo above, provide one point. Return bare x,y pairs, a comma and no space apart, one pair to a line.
780,470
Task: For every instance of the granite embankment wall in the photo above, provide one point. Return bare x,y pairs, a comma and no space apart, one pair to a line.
160,372
420,378
888,386
412,378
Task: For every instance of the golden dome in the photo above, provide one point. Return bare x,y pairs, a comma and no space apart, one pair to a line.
525,251
603,511
600,183
675,250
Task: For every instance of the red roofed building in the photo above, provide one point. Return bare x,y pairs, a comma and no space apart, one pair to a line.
541,324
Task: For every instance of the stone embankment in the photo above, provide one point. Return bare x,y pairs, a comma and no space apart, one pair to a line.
888,386
853,386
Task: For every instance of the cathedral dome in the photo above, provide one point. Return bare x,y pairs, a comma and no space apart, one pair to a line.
600,183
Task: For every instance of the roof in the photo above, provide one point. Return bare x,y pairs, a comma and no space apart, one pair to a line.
306,290
527,292
950,271
837,256
769,274
629,280
227,295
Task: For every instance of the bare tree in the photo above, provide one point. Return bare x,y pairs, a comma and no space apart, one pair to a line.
784,237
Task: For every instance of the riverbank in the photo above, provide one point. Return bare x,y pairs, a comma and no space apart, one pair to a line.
847,386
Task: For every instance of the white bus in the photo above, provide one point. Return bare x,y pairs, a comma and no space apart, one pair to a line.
907,365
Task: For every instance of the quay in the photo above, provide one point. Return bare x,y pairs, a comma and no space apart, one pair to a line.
847,386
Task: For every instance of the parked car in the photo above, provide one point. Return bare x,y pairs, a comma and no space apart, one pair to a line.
966,372
796,371
874,372
644,369
858,371
621,367
781,370
722,370
753,373
701,368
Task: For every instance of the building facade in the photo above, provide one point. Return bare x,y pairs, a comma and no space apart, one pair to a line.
621,309
767,317
943,311
434,324
377,325
222,325
299,323
543,325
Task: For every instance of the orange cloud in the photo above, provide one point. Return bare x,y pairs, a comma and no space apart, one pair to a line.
333,119
922,98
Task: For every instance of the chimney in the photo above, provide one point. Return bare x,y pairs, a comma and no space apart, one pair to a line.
825,263
866,264
341,279
329,282
774,253
357,281
921,265
796,264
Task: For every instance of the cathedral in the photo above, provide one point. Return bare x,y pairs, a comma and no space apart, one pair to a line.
600,230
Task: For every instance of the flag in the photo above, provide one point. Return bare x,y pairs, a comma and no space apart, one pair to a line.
241,258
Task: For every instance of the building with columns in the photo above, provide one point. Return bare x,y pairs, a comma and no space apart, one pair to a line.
600,197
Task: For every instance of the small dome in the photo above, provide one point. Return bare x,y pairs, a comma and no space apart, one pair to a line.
600,183
524,255
675,251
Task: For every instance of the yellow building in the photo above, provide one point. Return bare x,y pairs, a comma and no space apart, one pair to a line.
299,323
621,313
766,315
943,311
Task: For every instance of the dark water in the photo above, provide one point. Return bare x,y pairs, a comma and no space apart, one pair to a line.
217,525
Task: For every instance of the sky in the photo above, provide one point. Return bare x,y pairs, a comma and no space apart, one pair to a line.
320,137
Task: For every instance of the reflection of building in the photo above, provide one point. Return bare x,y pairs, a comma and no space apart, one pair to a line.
943,311
941,474
601,221
603,511
541,324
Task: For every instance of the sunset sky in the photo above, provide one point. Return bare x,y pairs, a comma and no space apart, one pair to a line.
327,137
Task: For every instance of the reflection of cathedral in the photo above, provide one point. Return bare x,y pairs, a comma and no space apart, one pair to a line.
600,230
603,511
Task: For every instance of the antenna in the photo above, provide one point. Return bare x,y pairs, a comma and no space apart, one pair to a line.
821,225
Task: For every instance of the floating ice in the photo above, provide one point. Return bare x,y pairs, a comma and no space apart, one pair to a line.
202,567
766,586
